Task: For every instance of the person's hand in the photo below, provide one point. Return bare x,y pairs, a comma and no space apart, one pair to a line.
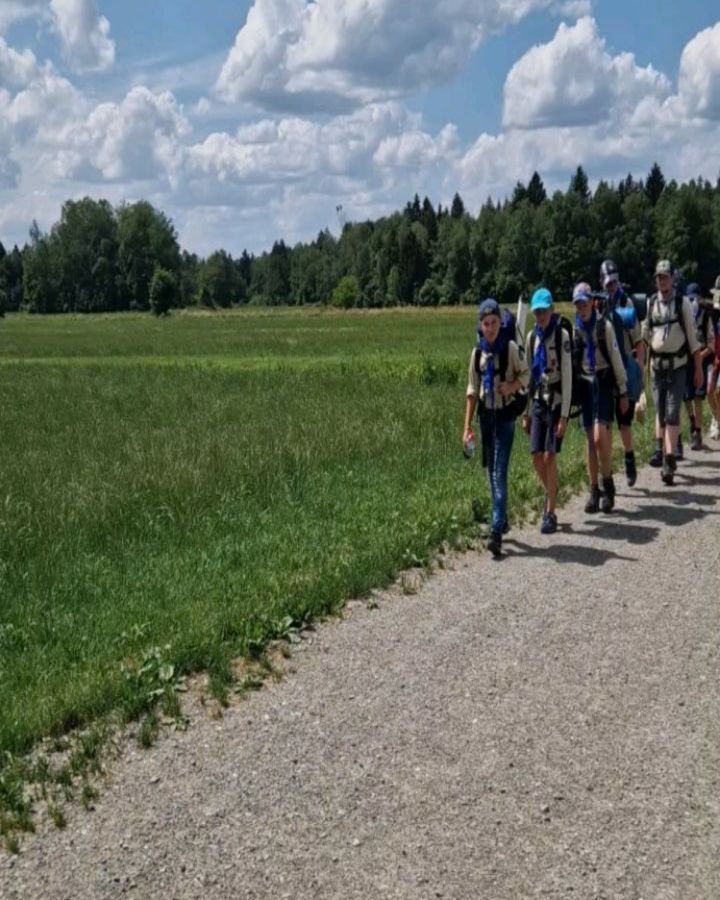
699,376
526,424
562,428
506,388
624,405
467,434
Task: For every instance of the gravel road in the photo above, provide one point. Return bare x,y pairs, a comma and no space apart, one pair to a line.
543,726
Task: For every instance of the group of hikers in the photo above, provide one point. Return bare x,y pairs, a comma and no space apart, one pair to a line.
593,368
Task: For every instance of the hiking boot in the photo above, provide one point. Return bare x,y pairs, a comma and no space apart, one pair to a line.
593,502
696,442
549,523
630,469
494,543
656,460
679,454
608,499
668,470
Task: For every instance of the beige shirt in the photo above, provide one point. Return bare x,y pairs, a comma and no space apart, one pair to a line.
517,369
555,388
666,339
602,363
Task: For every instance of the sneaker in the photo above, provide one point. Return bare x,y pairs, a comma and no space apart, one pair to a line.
656,460
494,543
549,523
696,443
593,502
608,499
715,430
679,454
630,469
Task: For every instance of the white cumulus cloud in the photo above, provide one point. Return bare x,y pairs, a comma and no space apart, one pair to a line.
140,138
699,80
325,55
85,34
573,80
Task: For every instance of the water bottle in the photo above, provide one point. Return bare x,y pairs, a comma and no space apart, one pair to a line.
469,446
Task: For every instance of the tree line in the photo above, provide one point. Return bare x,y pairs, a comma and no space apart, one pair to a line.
97,258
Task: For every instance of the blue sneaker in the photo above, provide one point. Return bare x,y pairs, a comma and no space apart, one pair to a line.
549,523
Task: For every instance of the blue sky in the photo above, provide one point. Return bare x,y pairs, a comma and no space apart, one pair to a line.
250,121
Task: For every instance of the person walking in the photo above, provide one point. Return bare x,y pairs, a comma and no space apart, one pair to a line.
602,376
550,358
497,377
714,379
705,333
633,349
669,333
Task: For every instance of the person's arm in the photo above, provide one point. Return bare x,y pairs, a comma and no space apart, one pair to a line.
693,344
565,378
471,396
616,359
709,348
690,328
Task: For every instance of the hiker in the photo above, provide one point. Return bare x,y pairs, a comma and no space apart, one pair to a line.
497,378
669,332
550,359
705,334
602,376
714,379
631,350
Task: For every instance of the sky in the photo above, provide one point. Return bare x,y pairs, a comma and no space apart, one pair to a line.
255,120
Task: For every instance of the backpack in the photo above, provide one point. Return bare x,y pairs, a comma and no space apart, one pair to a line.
509,330
564,323
678,317
622,319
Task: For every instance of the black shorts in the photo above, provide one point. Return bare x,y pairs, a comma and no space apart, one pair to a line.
543,428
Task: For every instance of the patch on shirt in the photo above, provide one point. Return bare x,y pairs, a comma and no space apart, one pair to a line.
566,346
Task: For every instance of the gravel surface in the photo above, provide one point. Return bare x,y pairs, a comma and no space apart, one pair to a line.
515,729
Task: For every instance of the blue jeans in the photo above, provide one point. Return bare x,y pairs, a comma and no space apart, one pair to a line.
498,436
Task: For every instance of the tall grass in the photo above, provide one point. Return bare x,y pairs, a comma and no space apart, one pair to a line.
196,505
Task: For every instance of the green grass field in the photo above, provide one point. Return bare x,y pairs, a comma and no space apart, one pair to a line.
192,482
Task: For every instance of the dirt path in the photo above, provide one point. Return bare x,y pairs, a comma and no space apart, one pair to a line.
517,729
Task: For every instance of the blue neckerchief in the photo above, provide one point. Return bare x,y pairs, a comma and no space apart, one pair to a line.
540,358
489,374
589,329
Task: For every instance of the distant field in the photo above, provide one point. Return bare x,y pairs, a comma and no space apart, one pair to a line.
192,481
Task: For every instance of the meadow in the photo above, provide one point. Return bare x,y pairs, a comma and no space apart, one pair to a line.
196,483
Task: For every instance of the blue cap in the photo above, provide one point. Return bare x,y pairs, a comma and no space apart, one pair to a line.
489,307
541,299
693,290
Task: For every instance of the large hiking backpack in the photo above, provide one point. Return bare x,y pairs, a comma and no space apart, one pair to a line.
509,331
563,323
677,318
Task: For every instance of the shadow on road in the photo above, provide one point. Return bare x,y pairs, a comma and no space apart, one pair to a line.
616,531
565,553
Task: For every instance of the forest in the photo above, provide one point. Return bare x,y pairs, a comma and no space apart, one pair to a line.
97,258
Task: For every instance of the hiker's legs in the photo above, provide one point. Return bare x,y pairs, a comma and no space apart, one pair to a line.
504,436
673,394
551,481
591,459
539,465
603,446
